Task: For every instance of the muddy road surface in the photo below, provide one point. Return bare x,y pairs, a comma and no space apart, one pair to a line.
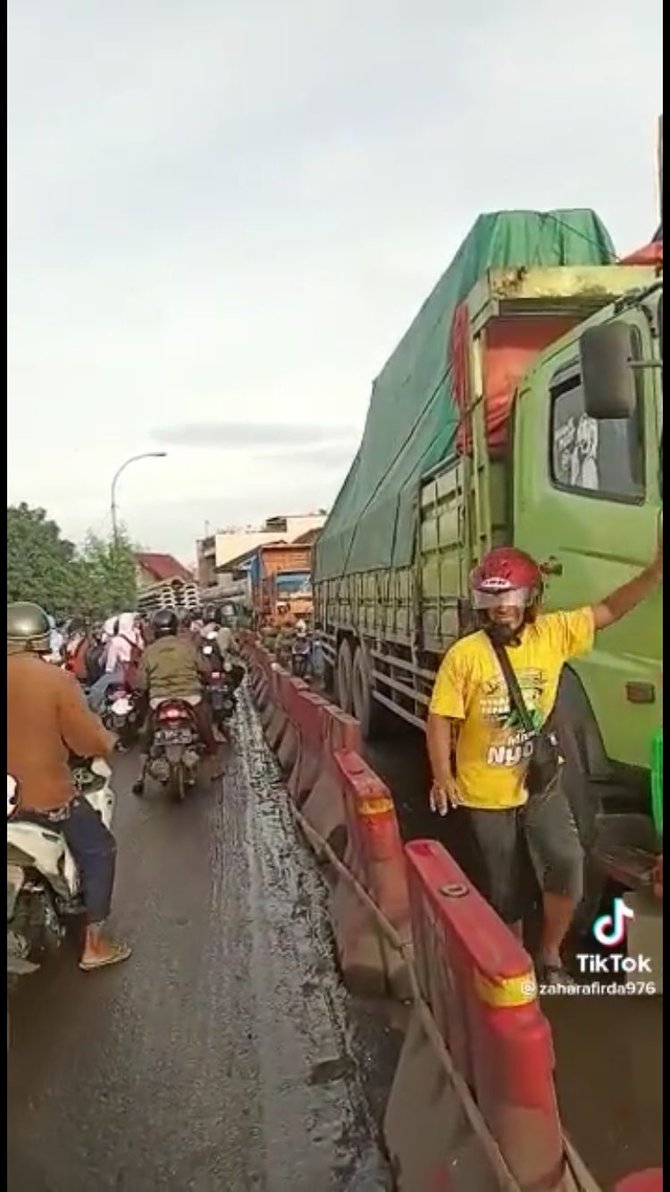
608,1049
225,1055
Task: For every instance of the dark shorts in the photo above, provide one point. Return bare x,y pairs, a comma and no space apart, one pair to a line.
543,830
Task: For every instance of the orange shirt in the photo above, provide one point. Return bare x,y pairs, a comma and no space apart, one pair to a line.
47,715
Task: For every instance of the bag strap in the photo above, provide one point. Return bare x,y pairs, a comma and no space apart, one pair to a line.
514,691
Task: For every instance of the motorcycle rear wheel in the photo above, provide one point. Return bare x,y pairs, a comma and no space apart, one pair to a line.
35,922
177,783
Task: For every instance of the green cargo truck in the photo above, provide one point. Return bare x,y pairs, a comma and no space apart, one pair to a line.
524,405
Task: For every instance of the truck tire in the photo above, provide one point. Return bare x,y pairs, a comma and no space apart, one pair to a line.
344,678
366,709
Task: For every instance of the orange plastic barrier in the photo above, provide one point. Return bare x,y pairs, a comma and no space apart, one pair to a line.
650,1180
310,719
290,690
374,855
278,722
268,698
265,686
479,984
323,805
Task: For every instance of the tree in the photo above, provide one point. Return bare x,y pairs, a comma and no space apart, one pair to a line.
107,576
39,560
42,566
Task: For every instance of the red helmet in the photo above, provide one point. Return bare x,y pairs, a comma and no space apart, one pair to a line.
506,575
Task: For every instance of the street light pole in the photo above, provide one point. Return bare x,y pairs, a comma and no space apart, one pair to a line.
133,459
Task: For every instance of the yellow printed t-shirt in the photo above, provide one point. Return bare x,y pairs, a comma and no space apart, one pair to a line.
492,748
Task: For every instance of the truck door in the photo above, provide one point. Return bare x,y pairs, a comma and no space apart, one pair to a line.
586,506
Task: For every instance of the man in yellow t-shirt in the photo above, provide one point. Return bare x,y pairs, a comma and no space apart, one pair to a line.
480,747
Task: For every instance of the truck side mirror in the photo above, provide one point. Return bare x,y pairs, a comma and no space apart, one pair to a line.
608,376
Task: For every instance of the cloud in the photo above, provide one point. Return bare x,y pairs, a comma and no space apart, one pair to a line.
223,214
318,458
235,435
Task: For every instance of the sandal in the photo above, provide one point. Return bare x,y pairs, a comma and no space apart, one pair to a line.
119,953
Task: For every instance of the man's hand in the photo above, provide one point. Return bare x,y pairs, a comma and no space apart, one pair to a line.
445,795
618,604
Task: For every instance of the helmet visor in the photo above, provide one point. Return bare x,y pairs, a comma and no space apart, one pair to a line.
509,598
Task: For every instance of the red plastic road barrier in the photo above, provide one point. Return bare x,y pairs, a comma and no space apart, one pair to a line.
650,1180
323,806
279,719
310,720
370,964
261,676
290,690
479,983
269,697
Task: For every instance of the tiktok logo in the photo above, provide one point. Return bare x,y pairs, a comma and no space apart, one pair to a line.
610,930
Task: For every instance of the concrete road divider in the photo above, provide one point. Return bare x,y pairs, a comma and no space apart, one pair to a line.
477,1012
370,962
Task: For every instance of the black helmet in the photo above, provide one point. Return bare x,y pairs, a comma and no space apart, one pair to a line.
28,628
211,613
165,622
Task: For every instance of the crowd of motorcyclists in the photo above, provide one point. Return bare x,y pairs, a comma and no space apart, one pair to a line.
72,692
76,693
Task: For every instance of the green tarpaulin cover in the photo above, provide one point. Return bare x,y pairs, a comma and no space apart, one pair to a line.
413,418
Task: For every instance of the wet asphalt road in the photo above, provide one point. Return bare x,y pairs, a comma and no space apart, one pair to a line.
609,1050
224,1056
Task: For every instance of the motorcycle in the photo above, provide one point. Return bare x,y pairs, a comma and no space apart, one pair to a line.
226,675
43,882
121,714
300,656
221,694
176,747
222,684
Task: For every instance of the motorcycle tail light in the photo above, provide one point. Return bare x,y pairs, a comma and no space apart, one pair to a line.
171,714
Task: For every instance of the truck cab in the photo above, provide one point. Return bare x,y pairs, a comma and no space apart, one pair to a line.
587,503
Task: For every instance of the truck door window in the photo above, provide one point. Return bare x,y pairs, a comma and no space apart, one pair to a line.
603,459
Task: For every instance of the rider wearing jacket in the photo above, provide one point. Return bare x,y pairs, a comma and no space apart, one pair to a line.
47,719
172,668
226,643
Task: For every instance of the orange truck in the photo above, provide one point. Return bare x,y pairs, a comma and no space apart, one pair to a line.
281,585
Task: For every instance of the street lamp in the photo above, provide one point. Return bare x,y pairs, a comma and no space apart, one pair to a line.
133,459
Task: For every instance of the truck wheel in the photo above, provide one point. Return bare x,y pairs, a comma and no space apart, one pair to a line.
344,682
366,709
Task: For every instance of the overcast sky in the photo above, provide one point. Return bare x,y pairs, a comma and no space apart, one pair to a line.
224,213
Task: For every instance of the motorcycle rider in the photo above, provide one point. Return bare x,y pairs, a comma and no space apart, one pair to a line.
172,668
186,630
480,749
47,716
226,642
122,657
301,646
